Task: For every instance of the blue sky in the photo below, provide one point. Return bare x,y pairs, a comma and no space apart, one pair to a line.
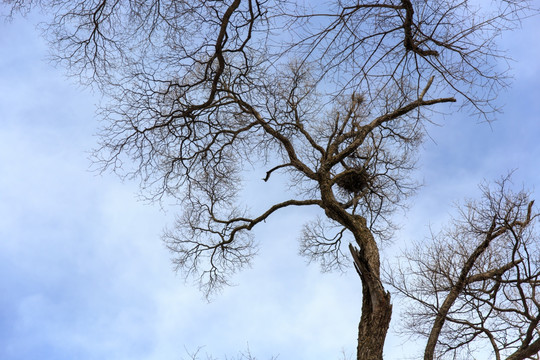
84,275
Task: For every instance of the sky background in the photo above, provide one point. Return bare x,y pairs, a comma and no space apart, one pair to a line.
84,274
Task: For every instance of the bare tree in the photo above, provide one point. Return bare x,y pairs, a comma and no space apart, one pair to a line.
476,285
336,96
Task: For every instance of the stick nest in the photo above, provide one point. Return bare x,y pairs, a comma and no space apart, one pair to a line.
354,180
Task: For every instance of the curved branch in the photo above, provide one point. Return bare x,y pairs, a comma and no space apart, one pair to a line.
282,139
269,172
250,223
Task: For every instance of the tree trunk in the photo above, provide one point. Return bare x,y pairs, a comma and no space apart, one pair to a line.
373,326
376,306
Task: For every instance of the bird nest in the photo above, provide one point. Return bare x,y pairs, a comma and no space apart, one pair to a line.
353,180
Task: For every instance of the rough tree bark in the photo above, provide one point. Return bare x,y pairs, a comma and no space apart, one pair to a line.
376,304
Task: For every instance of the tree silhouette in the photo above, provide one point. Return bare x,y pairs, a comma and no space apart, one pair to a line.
478,281
335,95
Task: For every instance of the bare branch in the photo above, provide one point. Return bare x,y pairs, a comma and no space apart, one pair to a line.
479,280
